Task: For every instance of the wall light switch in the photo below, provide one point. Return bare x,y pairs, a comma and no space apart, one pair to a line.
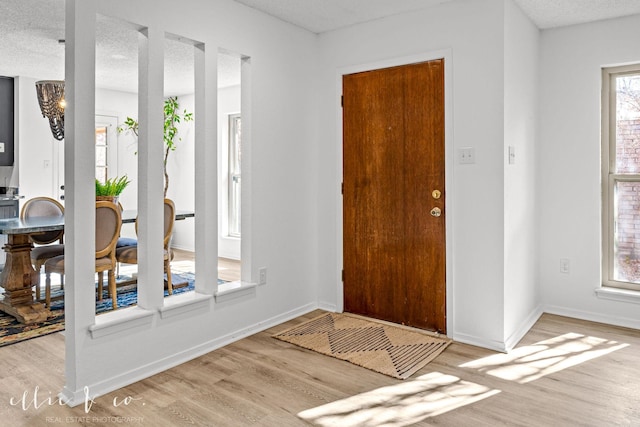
512,155
467,155
1,147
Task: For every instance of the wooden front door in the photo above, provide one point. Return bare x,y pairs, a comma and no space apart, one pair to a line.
393,194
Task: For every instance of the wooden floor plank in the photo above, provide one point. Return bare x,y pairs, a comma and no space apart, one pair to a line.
261,381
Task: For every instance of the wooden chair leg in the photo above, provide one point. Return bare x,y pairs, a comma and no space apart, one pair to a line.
167,269
112,288
100,279
47,290
38,289
38,267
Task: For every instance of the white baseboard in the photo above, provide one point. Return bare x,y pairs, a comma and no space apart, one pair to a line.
509,343
183,248
327,306
74,398
479,342
524,327
593,317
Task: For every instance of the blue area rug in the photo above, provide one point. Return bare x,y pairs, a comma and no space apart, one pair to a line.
12,331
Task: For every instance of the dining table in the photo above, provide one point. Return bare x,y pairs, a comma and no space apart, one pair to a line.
18,276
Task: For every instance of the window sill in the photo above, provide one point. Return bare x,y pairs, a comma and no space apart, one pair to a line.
231,290
615,294
184,303
120,320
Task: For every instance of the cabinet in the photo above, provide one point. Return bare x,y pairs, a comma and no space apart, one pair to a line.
6,121
8,209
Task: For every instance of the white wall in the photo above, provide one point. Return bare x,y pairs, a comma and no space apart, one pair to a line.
35,144
522,302
472,31
284,172
569,164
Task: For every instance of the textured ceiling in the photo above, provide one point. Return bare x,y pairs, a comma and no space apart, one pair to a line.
30,30
325,15
29,34
558,13
320,16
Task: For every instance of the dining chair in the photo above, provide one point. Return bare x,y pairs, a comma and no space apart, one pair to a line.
45,248
124,241
129,254
108,224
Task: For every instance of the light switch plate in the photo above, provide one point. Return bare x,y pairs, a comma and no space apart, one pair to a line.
467,155
1,147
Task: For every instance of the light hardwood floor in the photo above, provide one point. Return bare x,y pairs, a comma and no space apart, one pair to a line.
228,269
565,372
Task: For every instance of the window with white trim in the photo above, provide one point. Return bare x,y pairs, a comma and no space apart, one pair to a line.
621,177
235,156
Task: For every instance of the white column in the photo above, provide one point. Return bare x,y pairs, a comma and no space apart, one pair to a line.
206,168
150,170
79,192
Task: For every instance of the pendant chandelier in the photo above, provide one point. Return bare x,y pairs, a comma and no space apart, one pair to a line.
52,103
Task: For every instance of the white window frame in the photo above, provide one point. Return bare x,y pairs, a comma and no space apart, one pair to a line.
234,205
609,176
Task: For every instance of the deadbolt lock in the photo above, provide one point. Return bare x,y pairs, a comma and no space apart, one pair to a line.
436,212
436,194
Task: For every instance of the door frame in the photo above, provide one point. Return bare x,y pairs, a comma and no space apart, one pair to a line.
110,120
445,54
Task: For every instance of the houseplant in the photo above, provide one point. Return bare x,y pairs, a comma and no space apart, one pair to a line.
172,116
111,188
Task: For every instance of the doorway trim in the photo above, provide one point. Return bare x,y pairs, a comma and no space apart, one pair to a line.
445,54
107,119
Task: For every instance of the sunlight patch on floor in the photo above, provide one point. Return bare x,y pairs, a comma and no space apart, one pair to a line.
402,404
183,266
531,362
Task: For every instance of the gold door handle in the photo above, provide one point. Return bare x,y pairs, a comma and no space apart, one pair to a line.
436,212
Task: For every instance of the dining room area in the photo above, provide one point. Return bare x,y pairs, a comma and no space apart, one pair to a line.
34,167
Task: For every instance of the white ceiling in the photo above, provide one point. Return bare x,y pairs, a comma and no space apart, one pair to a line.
320,16
30,30
29,34
558,13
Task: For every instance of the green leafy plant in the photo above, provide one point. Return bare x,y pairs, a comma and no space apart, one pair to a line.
112,186
172,116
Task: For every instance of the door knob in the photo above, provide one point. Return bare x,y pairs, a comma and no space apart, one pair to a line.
436,212
436,194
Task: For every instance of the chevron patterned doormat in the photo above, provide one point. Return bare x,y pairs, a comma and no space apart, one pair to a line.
392,350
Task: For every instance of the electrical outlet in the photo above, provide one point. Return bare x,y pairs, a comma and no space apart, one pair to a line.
263,276
565,266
